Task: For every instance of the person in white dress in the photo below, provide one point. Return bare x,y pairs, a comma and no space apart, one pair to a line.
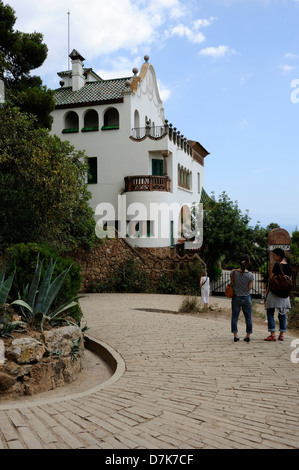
205,289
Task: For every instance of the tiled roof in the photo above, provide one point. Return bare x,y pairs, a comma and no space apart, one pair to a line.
93,92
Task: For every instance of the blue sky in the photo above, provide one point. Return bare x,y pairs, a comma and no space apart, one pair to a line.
228,73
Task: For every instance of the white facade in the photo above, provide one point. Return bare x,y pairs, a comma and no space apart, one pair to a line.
135,156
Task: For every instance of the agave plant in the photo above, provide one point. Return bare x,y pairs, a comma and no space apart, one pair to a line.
5,286
41,293
6,324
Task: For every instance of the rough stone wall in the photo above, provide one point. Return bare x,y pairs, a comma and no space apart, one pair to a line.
34,365
98,264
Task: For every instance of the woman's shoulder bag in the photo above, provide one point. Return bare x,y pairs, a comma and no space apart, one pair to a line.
229,290
280,284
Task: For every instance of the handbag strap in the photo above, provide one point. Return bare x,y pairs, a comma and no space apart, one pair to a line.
232,279
282,272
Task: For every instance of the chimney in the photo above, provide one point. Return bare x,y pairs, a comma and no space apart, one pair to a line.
78,79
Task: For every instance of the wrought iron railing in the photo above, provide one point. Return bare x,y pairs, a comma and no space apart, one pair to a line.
153,131
156,132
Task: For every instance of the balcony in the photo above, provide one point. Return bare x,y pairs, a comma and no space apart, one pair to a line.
147,183
138,134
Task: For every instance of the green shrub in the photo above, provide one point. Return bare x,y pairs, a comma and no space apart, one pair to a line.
215,272
166,285
22,258
183,280
129,277
264,271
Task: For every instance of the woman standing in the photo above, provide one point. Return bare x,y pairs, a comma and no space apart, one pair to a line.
242,297
274,301
205,289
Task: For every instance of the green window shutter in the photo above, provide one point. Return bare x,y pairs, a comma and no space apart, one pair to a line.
171,234
92,170
158,167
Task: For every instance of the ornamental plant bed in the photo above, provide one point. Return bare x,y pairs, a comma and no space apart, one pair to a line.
40,347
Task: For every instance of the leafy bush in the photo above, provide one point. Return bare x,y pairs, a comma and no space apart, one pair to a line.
22,259
264,271
129,277
166,285
184,280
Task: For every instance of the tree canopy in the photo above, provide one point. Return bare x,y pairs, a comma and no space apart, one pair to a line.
227,234
20,53
43,190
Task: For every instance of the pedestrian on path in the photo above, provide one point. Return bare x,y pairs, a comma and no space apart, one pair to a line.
205,289
242,297
274,301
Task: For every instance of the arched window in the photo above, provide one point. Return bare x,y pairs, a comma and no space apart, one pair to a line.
136,131
136,119
71,122
91,121
111,119
184,177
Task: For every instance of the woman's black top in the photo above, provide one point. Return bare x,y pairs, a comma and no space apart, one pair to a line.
287,269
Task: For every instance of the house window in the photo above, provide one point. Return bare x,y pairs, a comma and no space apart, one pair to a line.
111,119
157,167
71,123
184,178
91,121
92,170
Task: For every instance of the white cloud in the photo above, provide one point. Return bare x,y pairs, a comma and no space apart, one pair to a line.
286,68
118,67
192,32
164,91
181,30
217,52
290,55
97,27
203,23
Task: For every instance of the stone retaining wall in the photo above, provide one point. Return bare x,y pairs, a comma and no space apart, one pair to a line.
35,364
99,263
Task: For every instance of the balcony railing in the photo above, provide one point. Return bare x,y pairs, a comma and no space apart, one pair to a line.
147,183
158,132
153,131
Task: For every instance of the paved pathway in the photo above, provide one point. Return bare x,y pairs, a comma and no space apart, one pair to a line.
181,383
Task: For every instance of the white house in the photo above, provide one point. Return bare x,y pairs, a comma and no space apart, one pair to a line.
138,161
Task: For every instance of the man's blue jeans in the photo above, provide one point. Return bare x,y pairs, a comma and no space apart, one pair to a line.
271,320
246,304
